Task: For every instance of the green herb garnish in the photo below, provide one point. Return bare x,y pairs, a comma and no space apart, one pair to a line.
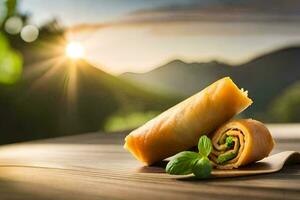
183,163
204,146
202,168
188,162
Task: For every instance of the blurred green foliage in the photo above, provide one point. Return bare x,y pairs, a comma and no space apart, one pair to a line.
7,8
11,7
2,13
119,122
286,107
10,62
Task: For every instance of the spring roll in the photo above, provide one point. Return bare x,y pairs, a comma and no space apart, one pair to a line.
180,127
239,143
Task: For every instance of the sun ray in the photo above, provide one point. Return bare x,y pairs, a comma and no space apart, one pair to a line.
49,73
70,89
40,67
58,65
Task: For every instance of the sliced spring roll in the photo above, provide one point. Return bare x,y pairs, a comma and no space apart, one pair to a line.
239,143
180,127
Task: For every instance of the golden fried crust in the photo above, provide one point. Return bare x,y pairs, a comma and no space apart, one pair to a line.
257,142
180,127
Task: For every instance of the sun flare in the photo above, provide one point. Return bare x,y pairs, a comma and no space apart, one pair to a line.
74,50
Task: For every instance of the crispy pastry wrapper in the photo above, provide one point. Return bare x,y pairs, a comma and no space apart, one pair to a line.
252,142
180,127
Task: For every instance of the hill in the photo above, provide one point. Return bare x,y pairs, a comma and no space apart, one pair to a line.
68,98
180,77
265,76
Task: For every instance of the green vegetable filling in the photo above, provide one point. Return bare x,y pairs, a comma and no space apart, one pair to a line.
232,146
225,157
229,141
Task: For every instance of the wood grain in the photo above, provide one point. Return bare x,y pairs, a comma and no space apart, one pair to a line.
95,166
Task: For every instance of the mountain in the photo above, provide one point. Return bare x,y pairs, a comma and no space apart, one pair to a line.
265,77
180,77
72,97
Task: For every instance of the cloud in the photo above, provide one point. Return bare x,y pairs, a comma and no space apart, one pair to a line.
223,11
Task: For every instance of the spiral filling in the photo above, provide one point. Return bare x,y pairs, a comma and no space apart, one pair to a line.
227,146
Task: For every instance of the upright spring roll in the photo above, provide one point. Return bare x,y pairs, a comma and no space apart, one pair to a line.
239,143
180,127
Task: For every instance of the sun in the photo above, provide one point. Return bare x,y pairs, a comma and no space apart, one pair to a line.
74,50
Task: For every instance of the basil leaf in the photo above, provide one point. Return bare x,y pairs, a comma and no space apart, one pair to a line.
202,168
183,163
204,146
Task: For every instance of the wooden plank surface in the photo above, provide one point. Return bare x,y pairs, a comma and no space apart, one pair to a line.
95,166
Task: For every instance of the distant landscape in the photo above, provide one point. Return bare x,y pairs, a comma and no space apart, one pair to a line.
272,79
70,98
51,95
102,101
41,106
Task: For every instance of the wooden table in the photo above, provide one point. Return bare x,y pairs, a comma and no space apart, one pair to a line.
95,166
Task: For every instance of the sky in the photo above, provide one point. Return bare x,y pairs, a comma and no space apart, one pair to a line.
139,35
